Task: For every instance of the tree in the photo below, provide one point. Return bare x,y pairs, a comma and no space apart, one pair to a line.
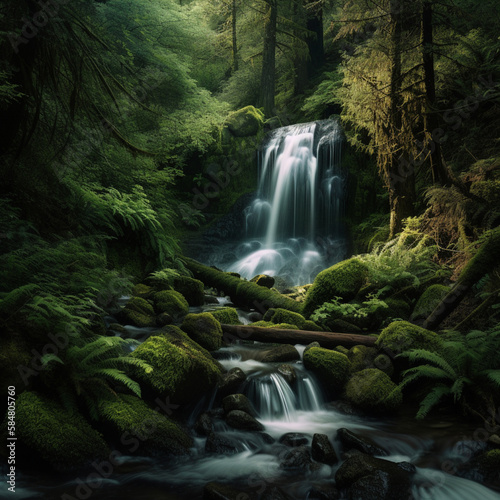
268,77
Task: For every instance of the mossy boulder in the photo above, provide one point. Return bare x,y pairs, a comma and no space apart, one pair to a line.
263,280
245,122
226,316
283,316
171,302
154,431
428,301
361,357
401,336
332,367
398,308
204,329
182,369
373,391
143,291
140,305
281,354
341,280
61,439
192,290
138,312
342,326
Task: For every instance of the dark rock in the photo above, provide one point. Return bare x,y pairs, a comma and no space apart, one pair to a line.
217,491
274,493
351,440
281,354
288,373
309,346
323,493
238,402
393,481
263,280
116,327
204,425
216,413
255,316
294,439
297,459
242,420
220,444
267,438
322,450
210,299
163,319
483,468
230,382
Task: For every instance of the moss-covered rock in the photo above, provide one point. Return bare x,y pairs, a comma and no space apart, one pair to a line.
155,432
226,316
341,280
280,326
373,391
182,369
398,308
342,326
60,439
281,354
192,290
143,291
401,336
311,326
331,366
171,302
283,316
138,312
140,305
488,190
245,122
361,357
263,280
428,301
204,329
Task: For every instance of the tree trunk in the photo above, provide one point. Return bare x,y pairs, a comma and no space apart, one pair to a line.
431,147
268,80
280,336
315,41
235,44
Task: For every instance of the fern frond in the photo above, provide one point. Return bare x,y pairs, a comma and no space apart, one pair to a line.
436,394
433,358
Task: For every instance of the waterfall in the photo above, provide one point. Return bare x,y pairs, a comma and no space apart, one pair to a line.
294,225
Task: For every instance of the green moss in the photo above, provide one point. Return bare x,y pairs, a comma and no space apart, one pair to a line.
398,308
283,316
14,353
245,122
137,319
171,302
140,305
361,357
310,326
428,301
281,326
226,316
263,280
400,336
343,280
142,290
331,366
373,391
155,432
488,190
192,290
182,369
204,329
61,439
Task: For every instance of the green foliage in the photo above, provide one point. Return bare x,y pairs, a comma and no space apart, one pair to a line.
323,96
89,370
226,315
465,370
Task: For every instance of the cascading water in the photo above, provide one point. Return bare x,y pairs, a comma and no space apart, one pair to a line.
294,226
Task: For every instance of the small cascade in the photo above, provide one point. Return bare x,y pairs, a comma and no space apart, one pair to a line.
294,226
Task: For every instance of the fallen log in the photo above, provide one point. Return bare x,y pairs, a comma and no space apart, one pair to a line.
281,336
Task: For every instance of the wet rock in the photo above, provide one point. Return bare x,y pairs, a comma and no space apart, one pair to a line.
211,299
323,493
350,440
322,450
332,367
241,420
204,425
230,382
288,373
282,353
274,493
267,438
220,444
294,439
484,468
255,316
263,280
163,319
218,491
310,346
238,402
297,459
360,471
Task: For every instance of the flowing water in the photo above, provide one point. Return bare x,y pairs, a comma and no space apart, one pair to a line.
300,407
294,226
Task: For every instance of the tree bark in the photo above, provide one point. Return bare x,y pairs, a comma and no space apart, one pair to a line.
279,336
268,79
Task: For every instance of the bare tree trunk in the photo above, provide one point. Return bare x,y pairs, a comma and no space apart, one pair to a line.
268,80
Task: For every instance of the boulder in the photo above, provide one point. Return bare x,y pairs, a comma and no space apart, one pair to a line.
373,391
231,381
263,280
322,450
155,432
483,468
226,315
297,459
164,319
171,302
204,424
192,290
241,420
351,440
278,315
332,367
138,312
54,436
288,373
182,369
384,363
281,354
428,301
341,280
245,122
204,329
294,439
398,308
361,357
238,402
143,291
222,445
401,336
